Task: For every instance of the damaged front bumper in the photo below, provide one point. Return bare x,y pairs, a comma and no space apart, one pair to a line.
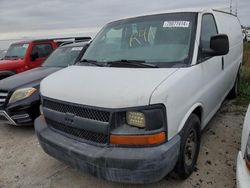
126,165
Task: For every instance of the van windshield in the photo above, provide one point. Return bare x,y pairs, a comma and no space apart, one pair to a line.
164,40
16,51
63,57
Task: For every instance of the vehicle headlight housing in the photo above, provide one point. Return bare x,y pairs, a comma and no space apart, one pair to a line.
148,118
139,126
20,94
136,119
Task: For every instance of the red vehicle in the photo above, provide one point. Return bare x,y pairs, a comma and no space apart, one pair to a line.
26,55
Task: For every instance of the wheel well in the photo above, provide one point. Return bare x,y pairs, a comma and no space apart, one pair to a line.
198,111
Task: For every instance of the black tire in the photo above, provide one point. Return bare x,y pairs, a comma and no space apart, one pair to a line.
187,159
235,91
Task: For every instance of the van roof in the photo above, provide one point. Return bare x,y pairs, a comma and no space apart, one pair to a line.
195,10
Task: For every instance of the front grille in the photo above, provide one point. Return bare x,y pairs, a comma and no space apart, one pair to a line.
3,96
77,110
80,133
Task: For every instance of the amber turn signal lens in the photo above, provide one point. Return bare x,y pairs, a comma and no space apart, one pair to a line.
138,139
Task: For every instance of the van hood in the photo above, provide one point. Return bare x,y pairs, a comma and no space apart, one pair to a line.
104,86
31,78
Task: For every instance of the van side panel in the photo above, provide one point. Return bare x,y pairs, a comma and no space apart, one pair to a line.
205,84
230,25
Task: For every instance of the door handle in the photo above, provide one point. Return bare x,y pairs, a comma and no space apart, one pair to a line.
222,63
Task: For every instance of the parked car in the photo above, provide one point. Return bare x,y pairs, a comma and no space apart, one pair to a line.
134,110
19,94
26,55
248,37
243,160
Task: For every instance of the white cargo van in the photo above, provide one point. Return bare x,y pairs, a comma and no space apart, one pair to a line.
133,109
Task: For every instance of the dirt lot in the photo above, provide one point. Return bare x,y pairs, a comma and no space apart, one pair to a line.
24,164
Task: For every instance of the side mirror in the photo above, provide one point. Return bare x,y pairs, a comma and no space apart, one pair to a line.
219,45
34,56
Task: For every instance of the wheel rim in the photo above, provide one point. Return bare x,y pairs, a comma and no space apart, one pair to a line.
190,147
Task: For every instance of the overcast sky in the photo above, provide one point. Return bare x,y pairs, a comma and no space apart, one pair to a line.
21,19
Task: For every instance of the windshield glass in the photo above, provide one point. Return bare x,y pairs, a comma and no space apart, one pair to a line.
63,57
16,51
164,40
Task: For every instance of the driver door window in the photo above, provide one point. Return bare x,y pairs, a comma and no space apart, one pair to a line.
208,29
43,50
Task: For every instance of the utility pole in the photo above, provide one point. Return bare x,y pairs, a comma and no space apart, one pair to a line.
236,8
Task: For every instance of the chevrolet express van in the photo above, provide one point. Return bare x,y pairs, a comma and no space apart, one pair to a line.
133,110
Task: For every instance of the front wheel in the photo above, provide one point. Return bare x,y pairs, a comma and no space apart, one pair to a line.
190,147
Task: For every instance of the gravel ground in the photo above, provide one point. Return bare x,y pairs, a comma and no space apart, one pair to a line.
24,164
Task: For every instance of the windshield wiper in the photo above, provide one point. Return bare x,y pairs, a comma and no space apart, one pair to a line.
137,63
92,62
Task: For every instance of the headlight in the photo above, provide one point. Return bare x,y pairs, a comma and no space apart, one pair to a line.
136,119
22,94
139,126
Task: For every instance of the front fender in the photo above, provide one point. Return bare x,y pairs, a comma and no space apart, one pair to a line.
190,111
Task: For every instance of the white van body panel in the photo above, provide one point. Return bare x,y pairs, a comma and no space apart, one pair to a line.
181,90
230,25
192,79
104,87
205,84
